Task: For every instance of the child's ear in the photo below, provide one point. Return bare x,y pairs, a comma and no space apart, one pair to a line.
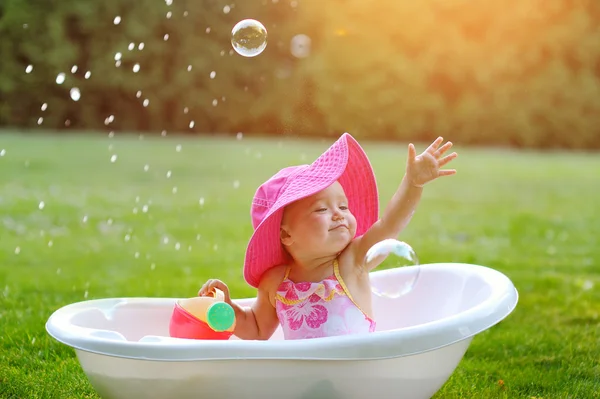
286,238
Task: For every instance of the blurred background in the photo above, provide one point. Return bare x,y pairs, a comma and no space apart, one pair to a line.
519,73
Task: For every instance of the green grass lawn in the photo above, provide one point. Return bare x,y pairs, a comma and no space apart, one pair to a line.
159,221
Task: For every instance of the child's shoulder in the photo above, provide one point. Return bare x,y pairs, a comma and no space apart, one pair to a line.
270,281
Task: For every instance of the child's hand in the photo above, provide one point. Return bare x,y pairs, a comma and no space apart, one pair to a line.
213,283
426,167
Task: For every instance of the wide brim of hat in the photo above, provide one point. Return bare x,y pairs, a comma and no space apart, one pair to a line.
346,162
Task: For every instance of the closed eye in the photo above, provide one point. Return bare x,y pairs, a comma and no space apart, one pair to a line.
321,210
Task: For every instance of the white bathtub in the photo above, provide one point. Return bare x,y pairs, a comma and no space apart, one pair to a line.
124,348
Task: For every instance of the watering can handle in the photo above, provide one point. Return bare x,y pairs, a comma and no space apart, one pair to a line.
218,294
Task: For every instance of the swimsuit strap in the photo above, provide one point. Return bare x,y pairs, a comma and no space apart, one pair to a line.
287,273
338,276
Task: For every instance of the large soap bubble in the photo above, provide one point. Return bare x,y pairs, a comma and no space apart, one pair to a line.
389,254
249,38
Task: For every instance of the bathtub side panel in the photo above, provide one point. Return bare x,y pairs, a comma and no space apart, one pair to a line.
417,376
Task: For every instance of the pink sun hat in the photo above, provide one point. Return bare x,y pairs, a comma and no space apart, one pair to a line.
345,161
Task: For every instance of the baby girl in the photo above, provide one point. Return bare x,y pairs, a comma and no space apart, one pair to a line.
313,225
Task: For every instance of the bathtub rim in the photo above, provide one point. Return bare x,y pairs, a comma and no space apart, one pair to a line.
386,344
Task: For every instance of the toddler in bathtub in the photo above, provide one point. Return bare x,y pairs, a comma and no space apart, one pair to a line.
313,225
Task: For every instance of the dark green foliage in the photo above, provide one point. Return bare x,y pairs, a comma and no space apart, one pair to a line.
520,73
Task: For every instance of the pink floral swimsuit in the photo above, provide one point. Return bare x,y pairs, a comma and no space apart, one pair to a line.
324,309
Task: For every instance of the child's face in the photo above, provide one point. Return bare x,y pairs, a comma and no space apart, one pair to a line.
321,223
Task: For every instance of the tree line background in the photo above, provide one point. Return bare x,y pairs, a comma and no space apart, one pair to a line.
522,73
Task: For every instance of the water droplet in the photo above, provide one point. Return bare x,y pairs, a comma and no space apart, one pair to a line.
75,94
44,106
178,148
117,20
169,2
192,123
215,102
215,247
118,63
249,38
131,46
29,69
169,14
186,110
166,37
146,102
136,255
85,219
17,250
300,46
239,136
88,74
152,266
2,152
168,174
58,270
174,190
163,133
213,74
41,205
165,240
50,243
185,14
33,341
127,237
146,168
135,211
109,221
141,46
136,68
113,158
145,208
189,68
177,246
118,56
74,69
208,30
198,237
138,94
40,120
201,201
85,294
236,184
226,9
60,78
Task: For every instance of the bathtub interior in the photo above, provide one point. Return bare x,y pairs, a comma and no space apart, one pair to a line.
439,293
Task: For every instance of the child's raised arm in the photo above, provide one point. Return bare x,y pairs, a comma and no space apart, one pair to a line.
419,171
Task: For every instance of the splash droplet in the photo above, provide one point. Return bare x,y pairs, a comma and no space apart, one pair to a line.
113,158
117,20
88,74
41,205
300,46
178,148
136,68
249,38
29,69
118,56
213,74
60,78
75,94
44,106
74,69
226,9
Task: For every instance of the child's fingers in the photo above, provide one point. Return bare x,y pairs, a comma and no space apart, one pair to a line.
447,159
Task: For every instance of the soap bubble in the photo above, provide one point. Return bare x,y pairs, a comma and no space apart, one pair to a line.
249,38
402,256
